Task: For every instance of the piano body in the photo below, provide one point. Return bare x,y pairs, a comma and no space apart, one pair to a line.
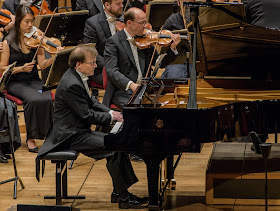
231,102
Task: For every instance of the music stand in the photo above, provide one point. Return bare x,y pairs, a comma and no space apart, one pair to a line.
3,83
68,27
52,74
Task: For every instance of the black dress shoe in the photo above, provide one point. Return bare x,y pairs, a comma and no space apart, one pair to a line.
115,197
131,201
3,160
135,158
34,150
8,156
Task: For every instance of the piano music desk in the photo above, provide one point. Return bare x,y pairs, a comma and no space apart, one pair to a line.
230,177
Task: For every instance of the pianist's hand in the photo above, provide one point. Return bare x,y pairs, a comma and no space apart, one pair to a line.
133,86
117,116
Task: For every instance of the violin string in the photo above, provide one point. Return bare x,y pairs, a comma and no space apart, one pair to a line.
151,61
41,41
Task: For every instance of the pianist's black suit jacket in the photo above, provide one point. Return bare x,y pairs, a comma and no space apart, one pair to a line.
97,31
93,6
120,65
263,13
74,113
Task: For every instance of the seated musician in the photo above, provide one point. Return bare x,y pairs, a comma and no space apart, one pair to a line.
25,82
96,6
75,111
99,28
125,65
263,13
176,22
13,5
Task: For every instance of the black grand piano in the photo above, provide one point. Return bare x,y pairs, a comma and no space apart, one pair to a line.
157,123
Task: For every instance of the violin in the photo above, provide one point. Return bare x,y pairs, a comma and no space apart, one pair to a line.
37,39
5,17
40,7
151,38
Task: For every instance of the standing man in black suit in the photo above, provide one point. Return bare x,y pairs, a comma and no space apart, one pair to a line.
125,65
99,28
75,111
263,13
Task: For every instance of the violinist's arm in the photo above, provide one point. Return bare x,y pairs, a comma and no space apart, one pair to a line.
42,61
5,57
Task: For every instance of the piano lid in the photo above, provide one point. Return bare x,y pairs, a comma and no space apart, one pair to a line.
228,46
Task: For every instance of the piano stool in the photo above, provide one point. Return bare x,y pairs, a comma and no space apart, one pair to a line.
60,159
224,183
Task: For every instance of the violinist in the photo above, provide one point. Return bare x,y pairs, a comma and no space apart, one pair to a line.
125,65
25,82
99,28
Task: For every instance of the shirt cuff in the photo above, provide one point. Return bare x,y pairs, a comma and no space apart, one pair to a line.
112,117
175,51
127,86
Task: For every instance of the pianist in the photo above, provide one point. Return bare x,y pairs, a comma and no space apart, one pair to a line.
75,111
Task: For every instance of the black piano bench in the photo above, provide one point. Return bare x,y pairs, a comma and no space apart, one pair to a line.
60,158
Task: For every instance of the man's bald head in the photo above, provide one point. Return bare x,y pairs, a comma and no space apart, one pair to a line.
132,14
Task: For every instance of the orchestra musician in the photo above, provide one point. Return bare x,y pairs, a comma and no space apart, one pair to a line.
176,22
75,111
263,13
13,5
96,6
93,6
99,28
5,148
25,82
125,65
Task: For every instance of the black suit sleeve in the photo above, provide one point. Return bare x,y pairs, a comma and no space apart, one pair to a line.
81,5
76,100
112,65
90,36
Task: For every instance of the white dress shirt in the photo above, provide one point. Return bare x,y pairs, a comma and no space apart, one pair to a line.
136,58
112,23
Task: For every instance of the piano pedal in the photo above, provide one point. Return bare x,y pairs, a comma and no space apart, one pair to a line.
163,182
171,185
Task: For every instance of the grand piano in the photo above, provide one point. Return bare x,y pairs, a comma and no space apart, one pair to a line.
231,95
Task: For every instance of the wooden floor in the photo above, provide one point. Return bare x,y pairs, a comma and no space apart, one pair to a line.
189,193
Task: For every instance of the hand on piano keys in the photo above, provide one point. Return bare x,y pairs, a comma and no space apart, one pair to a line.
117,116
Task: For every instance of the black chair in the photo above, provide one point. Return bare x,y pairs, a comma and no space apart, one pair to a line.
60,159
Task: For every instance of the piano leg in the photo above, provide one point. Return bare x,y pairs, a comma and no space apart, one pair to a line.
153,182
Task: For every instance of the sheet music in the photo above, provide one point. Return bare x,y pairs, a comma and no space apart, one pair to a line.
117,127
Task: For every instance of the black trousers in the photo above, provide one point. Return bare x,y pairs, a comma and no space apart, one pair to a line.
37,105
91,144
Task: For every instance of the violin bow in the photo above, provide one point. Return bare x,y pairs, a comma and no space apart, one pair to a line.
150,65
43,35
126,5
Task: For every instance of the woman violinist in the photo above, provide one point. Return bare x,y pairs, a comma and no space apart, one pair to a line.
25,82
